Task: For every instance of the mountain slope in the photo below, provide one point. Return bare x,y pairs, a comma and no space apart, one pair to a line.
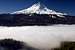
38,8
37,14
36,19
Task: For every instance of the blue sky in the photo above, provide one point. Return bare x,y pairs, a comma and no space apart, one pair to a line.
66,6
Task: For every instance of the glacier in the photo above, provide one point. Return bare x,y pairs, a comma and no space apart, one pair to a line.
38,8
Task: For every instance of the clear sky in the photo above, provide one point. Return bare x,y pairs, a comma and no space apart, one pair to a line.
66,6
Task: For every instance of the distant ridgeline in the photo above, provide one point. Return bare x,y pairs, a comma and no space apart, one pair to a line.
34,19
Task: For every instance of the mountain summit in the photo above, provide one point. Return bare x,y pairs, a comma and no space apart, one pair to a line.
38,8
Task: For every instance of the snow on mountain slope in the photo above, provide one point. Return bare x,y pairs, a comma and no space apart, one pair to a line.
38,8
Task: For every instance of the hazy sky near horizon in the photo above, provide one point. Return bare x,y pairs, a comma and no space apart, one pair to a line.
66,6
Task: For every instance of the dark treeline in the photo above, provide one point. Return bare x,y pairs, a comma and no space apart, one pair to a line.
66,45
11,44
34,19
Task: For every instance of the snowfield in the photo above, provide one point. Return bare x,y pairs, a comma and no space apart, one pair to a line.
39,8
43,37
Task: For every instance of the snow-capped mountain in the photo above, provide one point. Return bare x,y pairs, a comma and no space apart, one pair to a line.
38,8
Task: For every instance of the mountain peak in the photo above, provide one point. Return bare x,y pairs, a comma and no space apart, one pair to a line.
41,6
38,8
